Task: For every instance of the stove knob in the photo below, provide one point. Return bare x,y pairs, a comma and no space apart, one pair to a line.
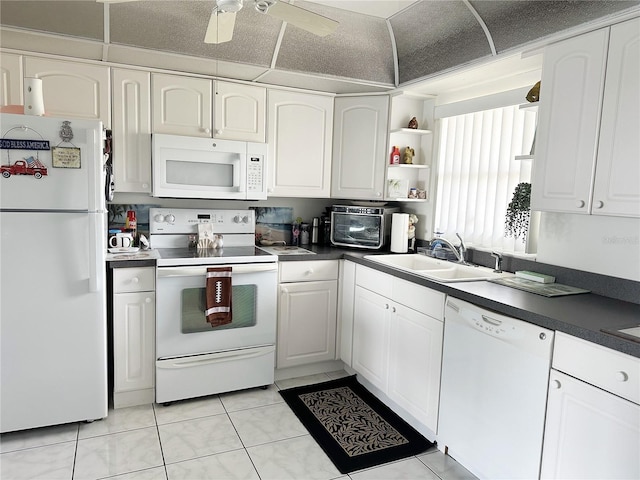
245,219
170,218
237,219
158,218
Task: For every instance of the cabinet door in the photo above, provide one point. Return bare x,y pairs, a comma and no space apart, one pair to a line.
415,353
371,336
181,105
10,79
618,169
300,137
307,323
581,416
359,147
567,135
239,112
133,340
72,89
132,130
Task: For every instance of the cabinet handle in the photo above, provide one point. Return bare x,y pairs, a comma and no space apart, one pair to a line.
309,272
206,130
598,204
145,185
393,309
579,203
378,194
135,280
218,132
147,300
622,376
386,306
556,384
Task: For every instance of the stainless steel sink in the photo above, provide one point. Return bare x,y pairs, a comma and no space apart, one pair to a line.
435,269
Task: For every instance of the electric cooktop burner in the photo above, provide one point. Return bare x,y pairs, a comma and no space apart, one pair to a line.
186,256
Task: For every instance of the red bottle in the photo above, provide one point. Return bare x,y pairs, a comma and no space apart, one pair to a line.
395,156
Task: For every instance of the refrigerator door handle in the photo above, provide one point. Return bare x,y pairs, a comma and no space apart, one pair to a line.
95,259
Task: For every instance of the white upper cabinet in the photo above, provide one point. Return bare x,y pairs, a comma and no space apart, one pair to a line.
300,140
10,79
181,105
360,131
185,106
131,130
239,112
72,89
587,145
616,190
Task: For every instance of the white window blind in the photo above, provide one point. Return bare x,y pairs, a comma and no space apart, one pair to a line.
477,174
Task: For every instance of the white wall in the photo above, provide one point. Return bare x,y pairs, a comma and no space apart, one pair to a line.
597,244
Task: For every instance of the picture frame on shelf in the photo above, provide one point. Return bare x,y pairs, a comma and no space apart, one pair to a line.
397,188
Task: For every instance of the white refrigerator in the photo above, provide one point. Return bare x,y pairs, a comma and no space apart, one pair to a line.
53,333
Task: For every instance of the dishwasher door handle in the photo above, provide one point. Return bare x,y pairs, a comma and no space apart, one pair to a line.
492,321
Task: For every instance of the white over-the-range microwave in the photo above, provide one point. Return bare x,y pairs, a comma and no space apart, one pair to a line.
193,167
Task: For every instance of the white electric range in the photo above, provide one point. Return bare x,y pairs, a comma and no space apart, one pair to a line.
193,358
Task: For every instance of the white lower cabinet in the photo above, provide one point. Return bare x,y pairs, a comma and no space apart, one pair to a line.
397,341
590,432
307,312
134,319
415,351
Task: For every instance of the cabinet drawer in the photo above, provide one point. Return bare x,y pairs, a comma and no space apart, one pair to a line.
308,271
374,280
419,298
134,279
613,371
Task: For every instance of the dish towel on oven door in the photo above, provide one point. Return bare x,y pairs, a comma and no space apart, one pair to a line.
219,293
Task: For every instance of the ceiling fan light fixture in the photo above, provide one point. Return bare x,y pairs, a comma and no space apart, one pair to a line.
229,6
263,6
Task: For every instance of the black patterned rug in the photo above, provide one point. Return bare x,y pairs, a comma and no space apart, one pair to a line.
353,427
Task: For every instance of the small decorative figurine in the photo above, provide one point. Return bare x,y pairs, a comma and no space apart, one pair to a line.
408,155
413,123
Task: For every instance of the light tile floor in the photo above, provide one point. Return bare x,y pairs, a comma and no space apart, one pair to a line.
250,434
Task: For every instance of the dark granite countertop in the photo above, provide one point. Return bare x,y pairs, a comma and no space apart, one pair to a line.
583,316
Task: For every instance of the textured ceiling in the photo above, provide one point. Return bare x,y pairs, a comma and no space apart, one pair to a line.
430,36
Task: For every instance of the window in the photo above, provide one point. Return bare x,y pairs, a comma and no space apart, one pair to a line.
478,173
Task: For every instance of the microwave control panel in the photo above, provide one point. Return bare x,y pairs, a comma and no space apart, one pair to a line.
254,173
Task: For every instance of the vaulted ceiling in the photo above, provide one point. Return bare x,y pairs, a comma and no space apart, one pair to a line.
425,36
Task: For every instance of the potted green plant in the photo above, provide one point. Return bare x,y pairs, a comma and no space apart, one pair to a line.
519,212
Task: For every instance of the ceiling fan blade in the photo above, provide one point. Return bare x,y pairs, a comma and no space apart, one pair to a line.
220,27
301,18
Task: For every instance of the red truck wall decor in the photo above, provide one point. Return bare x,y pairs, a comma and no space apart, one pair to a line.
27,166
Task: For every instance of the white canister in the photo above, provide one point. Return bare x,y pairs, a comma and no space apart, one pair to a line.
33,99
399,232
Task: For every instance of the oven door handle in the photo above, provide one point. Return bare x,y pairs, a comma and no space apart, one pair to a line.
209,358
202,270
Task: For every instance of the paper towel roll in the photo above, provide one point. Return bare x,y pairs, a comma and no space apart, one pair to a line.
33,100
399,232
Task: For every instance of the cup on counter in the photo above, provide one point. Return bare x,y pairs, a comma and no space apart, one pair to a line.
121,240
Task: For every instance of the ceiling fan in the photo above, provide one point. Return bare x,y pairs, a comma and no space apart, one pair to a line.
223,18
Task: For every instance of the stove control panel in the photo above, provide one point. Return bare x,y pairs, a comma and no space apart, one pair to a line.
186,220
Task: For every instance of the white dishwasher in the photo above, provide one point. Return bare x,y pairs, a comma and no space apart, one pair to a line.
495,371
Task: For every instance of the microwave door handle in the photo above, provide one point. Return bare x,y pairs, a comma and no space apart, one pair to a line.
240,269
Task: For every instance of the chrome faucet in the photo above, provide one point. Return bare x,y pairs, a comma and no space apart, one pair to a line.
460,251
498,258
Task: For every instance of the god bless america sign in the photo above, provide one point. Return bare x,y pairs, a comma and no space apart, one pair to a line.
11,144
